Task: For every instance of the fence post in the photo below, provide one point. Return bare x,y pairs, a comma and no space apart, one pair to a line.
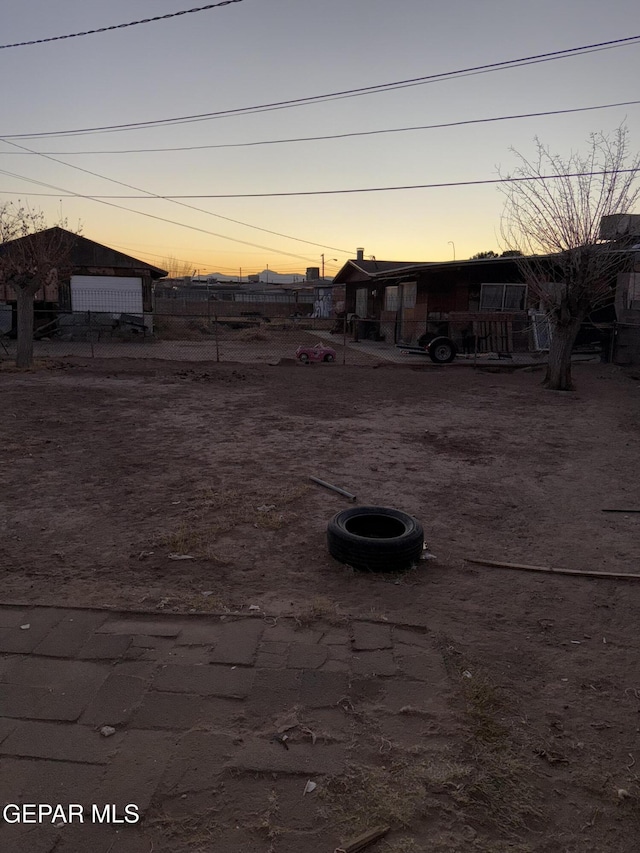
612,341
90,333
344,340
215,332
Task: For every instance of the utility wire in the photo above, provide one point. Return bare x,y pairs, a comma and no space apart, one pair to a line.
65,193
444,184
345,93
121,26
339,135
182,204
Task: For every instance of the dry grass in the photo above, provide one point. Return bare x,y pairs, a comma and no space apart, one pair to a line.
194,830
499,788
253,335
168,328
268,824
320,609
396,795
211,514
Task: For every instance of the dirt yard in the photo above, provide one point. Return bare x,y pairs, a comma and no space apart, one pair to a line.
113,468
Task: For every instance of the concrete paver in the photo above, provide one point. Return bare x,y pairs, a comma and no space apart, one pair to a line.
371,636
58,742
181,711
200,706
70,634
119,695
205,680
238,642
104,647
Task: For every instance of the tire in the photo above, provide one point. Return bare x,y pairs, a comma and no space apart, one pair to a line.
442,350
328,357
304,358
375,538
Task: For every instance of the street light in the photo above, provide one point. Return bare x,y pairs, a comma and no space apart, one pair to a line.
451,243
330,259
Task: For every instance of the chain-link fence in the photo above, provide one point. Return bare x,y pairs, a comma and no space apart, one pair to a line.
251,336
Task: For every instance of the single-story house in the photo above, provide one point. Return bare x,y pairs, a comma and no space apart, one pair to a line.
480,302
404,301
103,281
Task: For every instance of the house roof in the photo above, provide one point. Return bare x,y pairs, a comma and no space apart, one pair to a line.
88,253
368,269
408,269
362,271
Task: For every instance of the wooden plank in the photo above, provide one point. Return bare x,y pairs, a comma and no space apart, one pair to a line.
550,570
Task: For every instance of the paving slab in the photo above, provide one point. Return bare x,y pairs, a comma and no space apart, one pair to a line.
70,634
150,627
199,762
196,704
307,656
291,633
201,633
48,781
105,647
269,756
323,689
88,837
22,640
60,743
274,691
425,666
238,642
374,663
205,680
11,617
6,727
369,636
136,770
119,695
17,838
50,689
412,637
182,711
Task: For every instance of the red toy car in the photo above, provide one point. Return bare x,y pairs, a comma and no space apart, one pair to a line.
317,353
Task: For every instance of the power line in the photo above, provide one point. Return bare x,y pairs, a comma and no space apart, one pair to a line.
121,26
342,135
64,193
354,190
345,93
174,201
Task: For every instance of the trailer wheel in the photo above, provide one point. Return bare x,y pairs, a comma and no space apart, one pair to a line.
442,350
375,538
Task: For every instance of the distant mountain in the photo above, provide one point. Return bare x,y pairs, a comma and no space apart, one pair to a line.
266,276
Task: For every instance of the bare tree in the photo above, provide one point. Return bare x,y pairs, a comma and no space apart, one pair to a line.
555,223
32,256
176,268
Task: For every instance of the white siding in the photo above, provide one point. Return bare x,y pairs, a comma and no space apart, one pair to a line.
107,294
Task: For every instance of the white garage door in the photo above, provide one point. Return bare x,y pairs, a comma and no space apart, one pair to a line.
105,293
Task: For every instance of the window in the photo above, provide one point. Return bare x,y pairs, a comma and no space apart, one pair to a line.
409,294
391,298
503,297
362,297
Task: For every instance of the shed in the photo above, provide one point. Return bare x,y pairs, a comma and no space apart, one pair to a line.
102,280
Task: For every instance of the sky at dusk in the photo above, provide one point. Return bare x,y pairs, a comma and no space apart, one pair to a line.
258,52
